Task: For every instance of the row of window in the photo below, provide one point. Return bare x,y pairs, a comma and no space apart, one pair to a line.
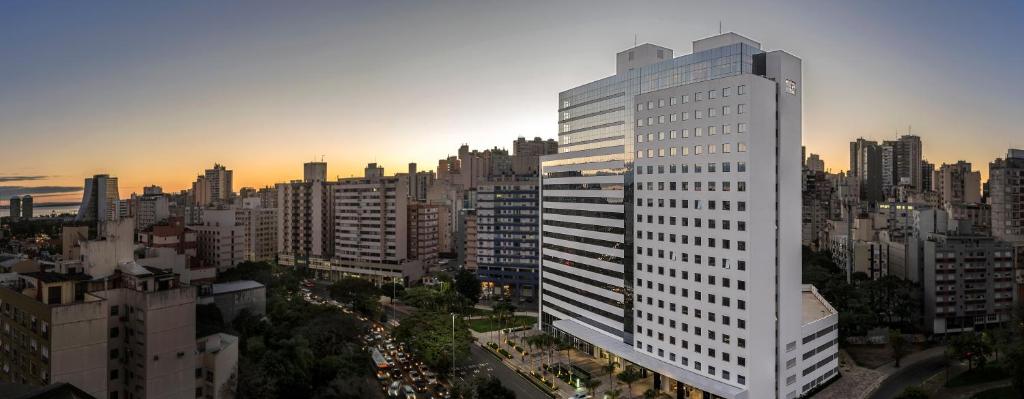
685,362
685,204
685,150
741,186
697,96
711,130
685,115
685,168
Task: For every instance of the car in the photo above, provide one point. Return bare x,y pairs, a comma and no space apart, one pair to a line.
421,385
395,389
409,392
396,374
430,376
440,392
382,375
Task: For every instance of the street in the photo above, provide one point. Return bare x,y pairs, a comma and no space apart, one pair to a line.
509,378
910,375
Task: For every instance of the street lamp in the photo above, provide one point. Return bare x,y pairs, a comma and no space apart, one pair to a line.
453,345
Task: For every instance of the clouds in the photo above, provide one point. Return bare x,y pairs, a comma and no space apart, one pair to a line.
9,191
8,179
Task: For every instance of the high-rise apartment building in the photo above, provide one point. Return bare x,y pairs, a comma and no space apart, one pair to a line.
506,236
1006,196
927,176
968,282
957,183
99,199
371,217
213,187
260,226
314,171
889,178
866,167
671,223
909,162
26,207
151,209
423,232
14,208
305,220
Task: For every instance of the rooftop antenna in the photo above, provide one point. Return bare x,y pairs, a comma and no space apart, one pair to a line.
634,39
719,27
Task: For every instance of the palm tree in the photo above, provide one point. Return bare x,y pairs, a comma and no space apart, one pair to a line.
629,376
610,369
650,394
612,393
592,385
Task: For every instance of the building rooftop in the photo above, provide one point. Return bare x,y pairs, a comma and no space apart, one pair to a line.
814,306
51,277
234,286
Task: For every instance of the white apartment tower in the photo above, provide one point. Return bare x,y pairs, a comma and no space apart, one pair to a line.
305,216
671,223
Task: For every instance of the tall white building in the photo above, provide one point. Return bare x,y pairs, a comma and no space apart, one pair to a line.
221,238
671,223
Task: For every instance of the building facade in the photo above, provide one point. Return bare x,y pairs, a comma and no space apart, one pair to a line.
506,234
305,221
670,175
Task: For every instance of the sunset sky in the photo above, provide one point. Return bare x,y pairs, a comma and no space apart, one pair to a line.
154,93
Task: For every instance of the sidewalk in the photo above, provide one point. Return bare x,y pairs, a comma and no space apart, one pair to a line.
536,357
968,391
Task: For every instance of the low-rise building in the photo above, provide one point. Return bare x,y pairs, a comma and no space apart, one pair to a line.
217,366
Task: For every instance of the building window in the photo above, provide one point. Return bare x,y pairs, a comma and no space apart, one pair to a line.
742,89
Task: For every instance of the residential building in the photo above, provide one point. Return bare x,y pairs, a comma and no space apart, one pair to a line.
371,217
816,207
99,199
106,324
14,209
26,207
814,163
968,282
471,262
889,177
957,183
505,236
260,226
305,221
423,232
216,375
927,176
671,223
909,162
314,171
866,167
1006,196
220,238
152,208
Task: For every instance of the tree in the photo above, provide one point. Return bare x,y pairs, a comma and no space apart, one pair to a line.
650,393
1014,361
898,343
468,286
429,336
613,393
491,388
971,347
913,392
610,369
629,376
208,320
592,385
503,312
360,293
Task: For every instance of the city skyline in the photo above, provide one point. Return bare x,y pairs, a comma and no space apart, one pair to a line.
264,89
